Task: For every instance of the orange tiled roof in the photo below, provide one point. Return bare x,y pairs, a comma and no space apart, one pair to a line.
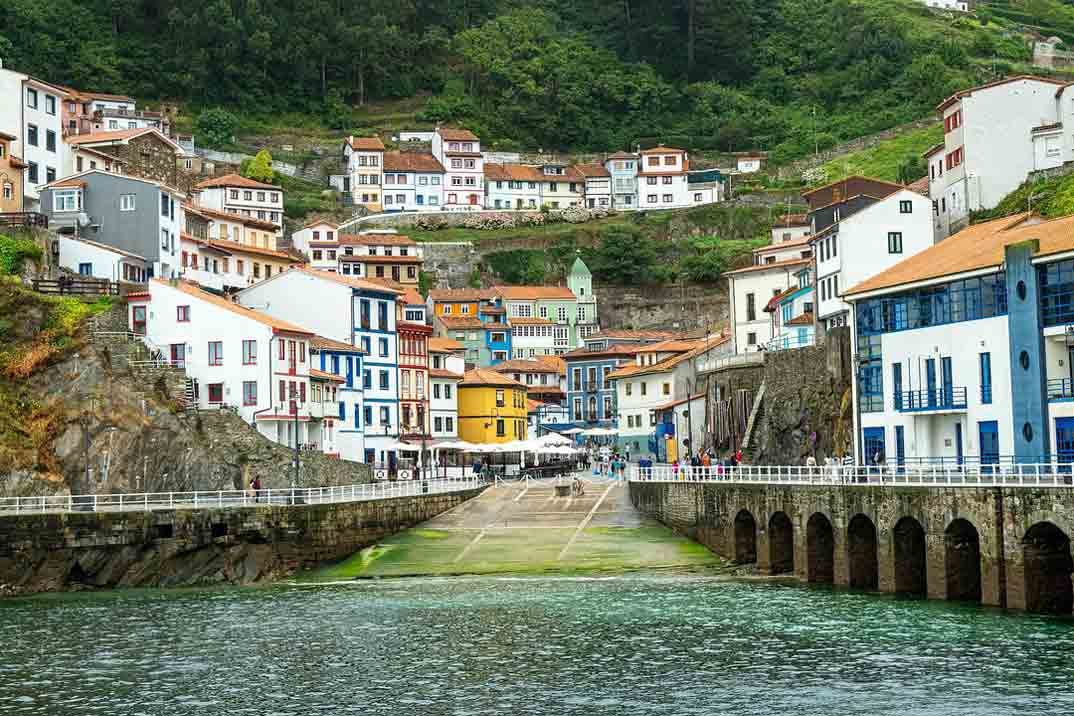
521,365
322,343
237,218
532,293
221,302
366,259
786,264
321,375
412,162
321,222
230,180
486,377
660,149
976,247
702,346
376,240
366,144
351,281
921,186
244,248
441,373
791,220
592,170
452,322
117,135
803,319
439,344
530,322
459,295
800,241
454,134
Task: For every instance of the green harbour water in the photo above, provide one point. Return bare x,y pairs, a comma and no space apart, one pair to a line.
636,644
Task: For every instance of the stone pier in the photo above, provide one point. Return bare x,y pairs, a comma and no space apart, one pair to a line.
1006,547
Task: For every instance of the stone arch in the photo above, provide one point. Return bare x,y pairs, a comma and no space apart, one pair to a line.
745,538
780,544
962,561
910,570
861,553
820,550
1048,566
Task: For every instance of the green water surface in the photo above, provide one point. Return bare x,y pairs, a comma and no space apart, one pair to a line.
633,645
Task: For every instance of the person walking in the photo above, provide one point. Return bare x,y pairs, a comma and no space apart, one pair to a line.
811,467
255,485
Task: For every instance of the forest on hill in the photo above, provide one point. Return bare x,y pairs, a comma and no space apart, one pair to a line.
787,76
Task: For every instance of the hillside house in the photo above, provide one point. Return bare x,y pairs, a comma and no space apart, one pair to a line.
364,157
235,194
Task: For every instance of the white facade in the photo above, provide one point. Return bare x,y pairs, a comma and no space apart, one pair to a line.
953,5
598,192
209,267
233,355
235,195
412,182
443,405
42,146
750,291
866,243
343,415
533,337
623,169
748,165
89,258
662,180
319,243
459,151
637,399
544,415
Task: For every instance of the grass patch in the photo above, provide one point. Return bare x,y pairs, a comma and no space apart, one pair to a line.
1050,198
882,160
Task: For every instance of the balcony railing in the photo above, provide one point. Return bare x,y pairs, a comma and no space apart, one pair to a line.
28,219
1060,389
789,341
910,401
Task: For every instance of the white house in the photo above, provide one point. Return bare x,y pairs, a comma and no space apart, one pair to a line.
992,134
598,185
235,357
90,258
459,152
43,148
792,311
749,162
236,194
512,186
951,5
623,168
532,337
750,290
341,363
789,228
446,368
962,351
662,179
318,241
352,311
865,243
413,181
364,157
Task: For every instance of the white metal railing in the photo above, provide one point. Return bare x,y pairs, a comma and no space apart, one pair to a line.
977,475
210,499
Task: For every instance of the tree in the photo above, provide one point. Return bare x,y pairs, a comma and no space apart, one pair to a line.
625,255
260,169
216,127
911,168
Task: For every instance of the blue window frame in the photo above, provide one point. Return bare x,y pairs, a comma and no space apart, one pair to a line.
900,446
787,308
335,365
1057,292
986,378
873,445
350,372
382,315
365,344
947,378
383,380
382,347
930,381
367,379
965,300
357,422
988,430
896,383
343,411
367,413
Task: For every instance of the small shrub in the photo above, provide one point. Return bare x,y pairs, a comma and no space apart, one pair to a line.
14,252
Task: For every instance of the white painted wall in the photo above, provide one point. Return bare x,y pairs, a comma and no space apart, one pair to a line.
317,304
763,284
104,262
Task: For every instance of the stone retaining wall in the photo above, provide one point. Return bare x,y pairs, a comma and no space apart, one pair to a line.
59,552
1016,564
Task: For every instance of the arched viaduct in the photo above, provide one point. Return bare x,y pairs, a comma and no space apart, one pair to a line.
1007,547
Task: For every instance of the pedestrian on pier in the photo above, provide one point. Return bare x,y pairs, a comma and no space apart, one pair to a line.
255,485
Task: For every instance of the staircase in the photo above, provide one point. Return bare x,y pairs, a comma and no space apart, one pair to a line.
190,400
755,417
147,362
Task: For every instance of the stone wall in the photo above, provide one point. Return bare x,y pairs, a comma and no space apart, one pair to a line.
807,391
674,307
920,543
57,552
452,262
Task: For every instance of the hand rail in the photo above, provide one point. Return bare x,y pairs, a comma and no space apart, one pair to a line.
218,499
1053,474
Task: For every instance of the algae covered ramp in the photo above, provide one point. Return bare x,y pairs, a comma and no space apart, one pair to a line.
524,528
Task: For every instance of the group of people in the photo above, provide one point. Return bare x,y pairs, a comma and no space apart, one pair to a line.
611,464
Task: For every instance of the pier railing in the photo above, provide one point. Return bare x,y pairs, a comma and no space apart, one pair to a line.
976,475
218,499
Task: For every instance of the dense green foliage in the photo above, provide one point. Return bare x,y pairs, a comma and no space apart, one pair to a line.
896,159
784,75
259,168
14,252
1047,197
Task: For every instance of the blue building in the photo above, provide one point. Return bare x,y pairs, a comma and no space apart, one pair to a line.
343,429
590,396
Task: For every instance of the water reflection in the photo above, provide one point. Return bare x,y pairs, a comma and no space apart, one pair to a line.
631,645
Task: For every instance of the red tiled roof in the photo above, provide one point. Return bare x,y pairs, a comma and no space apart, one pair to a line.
592,170
376,240
524,366
660,149
118,135
228,305
532,293
322,343
321,375
921,186
441,373
701,346
366,144
237,218
804,319
412,162
786,264
245,248
440,344
365,259
351,281
454,134
465,322
482,377
230,180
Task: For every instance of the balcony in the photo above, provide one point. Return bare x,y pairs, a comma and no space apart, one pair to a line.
1060,390
937,400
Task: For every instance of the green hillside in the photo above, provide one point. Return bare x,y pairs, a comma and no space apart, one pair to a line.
783,75
884,160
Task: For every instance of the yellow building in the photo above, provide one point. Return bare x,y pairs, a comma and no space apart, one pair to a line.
492,407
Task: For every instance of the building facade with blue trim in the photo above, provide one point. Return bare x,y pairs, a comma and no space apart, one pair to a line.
963,353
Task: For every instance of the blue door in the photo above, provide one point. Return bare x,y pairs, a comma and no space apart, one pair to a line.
900,446
958,443
873,445
370,456
1064,439
948,382
989,435
930,382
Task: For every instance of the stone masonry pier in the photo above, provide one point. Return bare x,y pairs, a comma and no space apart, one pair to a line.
1006,547
182,547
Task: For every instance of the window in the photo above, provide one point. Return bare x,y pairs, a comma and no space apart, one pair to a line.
66,200
127,202
384,380
31,172
500,432
954,159
952,121
249,352
382,347
667,389
667,198
666,180
894,242
247,196
216,393
751,339
986,378
249,392
499,398
385,416
216,353
31,134
182,313
906,207
50,174
367,413
50,140
31,98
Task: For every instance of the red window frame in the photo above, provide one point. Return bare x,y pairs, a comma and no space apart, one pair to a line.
218,359
301,352
249,357
283,391
283,349
302,392
217,388
182,314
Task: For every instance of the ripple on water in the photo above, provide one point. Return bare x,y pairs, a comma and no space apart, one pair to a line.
633,645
